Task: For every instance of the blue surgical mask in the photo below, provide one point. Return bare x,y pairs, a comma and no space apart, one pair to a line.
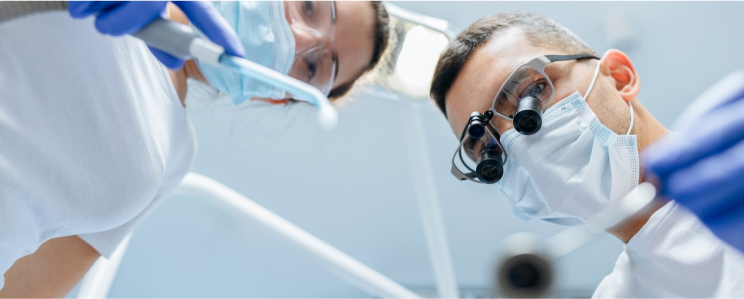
268,40
572,168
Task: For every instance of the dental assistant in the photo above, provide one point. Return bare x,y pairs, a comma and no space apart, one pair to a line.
94,129
562,129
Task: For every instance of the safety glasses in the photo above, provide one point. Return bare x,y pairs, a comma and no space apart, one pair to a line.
314,21
522,98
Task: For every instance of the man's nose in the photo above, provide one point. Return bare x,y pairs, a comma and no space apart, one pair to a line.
502,125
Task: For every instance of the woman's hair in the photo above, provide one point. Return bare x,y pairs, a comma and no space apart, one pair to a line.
381,41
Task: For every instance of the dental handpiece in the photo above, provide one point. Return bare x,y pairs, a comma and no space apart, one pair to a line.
636,202
525,250
183,42
639,201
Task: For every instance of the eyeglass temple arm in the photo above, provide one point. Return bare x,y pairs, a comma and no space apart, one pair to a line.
460,175
554,58
459,153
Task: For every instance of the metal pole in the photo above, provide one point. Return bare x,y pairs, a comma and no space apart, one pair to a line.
211,190
428,202
98,280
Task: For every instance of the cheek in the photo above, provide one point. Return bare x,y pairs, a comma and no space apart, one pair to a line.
502,125
611,110
564,88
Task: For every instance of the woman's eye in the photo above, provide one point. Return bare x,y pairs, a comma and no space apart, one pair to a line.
536,90
307,6
311,69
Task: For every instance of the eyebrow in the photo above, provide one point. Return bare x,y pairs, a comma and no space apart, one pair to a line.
334,11
505,91
335,60
335,53
507,86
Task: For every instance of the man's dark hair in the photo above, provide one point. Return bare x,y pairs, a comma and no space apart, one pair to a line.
540,31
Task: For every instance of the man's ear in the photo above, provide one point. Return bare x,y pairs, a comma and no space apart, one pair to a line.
618,67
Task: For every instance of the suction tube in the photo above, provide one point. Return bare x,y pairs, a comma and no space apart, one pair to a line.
182,41
327,114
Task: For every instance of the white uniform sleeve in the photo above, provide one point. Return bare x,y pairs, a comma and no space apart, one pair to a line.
106,242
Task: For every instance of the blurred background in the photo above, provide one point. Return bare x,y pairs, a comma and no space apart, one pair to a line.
353,187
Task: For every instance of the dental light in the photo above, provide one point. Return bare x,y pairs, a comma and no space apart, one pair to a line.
420,40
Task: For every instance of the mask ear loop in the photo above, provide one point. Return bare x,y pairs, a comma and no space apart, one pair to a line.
586,95
596,72
631,118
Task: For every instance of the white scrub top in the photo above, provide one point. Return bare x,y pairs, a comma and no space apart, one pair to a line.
92,134
675,255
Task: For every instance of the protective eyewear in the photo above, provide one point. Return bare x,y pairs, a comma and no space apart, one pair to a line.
317,65
522,98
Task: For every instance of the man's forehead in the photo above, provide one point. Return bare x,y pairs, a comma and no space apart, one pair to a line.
483,74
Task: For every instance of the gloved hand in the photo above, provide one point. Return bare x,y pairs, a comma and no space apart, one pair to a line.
702,167
123,17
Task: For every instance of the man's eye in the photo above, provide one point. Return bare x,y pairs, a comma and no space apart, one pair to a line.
536,90
307,6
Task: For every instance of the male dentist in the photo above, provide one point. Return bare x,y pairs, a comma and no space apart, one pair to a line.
558,130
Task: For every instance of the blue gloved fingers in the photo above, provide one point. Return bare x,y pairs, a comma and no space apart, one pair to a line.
711,186
129,17
728,227
167,60
716,131
205,17
82,9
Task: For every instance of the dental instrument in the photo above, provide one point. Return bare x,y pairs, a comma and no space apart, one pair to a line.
183,42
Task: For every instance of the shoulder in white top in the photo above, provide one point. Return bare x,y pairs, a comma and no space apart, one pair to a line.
675,255
92,134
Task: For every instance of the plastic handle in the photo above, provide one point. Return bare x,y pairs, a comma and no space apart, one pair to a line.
168,36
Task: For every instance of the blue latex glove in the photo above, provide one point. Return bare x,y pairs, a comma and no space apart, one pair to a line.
702,167
123,17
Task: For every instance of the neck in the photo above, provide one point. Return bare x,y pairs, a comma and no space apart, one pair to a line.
647,130
189,70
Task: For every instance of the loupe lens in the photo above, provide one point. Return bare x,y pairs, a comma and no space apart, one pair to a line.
527,123
489,172
490,166
476,129
528,118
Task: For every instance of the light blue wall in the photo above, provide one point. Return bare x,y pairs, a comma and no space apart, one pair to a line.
352,188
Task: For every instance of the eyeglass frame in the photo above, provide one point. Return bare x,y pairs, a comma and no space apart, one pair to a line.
334,67
538,63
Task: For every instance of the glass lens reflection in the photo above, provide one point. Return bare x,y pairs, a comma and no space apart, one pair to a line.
524,82
473,147
314,62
